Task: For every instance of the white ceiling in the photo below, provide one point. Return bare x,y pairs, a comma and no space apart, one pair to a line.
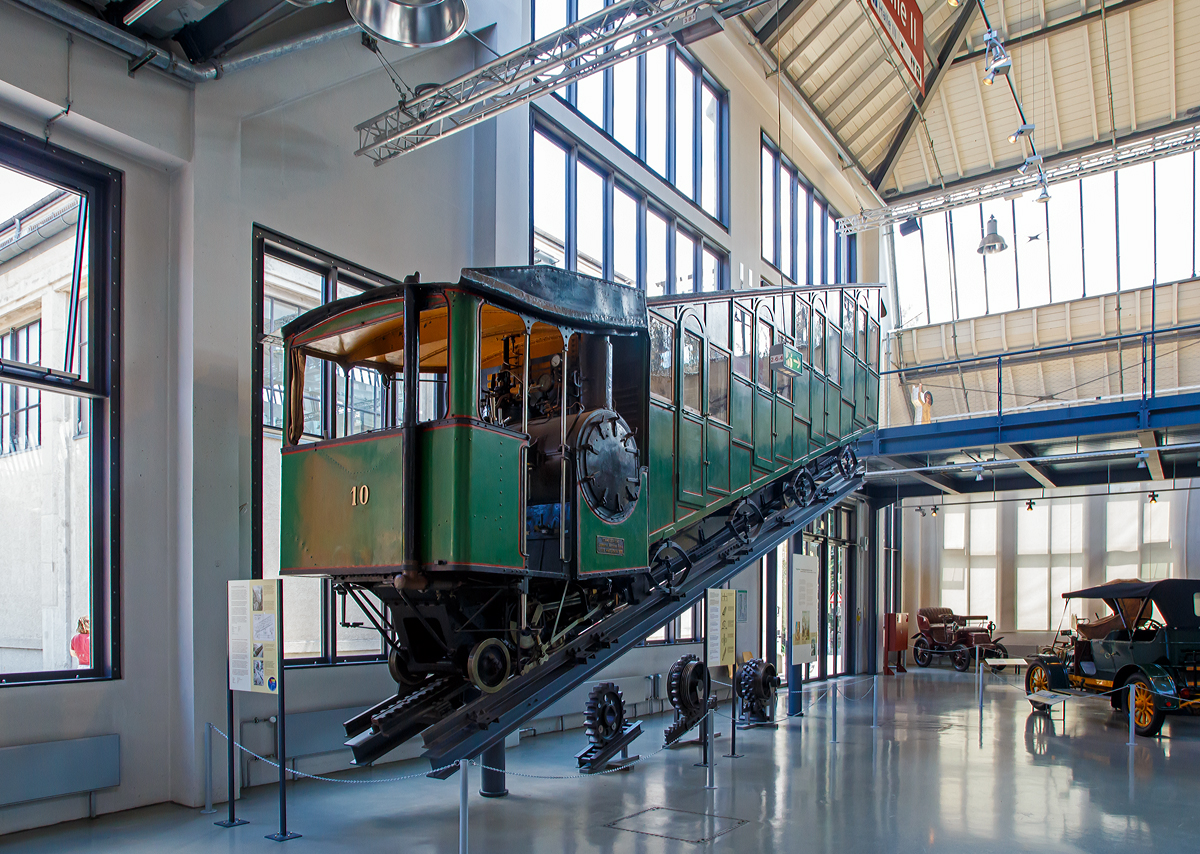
832,51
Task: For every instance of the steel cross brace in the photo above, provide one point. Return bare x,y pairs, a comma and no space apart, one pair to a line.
625,29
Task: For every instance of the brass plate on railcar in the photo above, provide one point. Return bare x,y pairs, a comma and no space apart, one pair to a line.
610,545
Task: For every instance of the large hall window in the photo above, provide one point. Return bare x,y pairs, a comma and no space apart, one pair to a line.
663,107
799,229
968,583
60,264
1049,564
321,625
1102,234
589,218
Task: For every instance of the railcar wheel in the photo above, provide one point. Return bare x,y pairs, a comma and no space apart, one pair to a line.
961,660
1037,678
1147,716
604,715
922,654
400,672
1001,652
847,462
489,665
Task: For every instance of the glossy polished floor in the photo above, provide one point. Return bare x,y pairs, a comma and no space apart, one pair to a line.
930,778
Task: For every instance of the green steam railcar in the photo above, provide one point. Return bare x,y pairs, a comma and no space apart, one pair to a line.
551,433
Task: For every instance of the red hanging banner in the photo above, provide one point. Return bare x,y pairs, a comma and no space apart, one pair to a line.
904,25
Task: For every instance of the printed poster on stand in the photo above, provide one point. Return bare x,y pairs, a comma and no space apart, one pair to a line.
806,571
254,630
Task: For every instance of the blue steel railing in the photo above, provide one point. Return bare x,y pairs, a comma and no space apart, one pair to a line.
976,385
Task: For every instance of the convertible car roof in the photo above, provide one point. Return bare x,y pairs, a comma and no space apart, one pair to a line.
1176,598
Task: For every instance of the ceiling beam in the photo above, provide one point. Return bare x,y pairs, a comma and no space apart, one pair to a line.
1019,455
835,46
907,464
777,25
950,130
814,34
879,62
1148,439
1053,97
987,131
228,24
1060,27
933,80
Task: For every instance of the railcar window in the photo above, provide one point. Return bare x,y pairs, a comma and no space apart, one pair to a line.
861,334
690,363
501,366
763,351
818,342
833,351
662,365
716,322
873,345
743,335
802,328
718,384
783,385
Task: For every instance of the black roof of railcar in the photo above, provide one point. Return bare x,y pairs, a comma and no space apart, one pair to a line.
547,293
1176,598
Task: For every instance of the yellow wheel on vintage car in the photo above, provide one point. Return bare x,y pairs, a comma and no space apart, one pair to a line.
1147,716
1037,678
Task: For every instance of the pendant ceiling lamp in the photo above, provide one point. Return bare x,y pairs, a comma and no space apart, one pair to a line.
419,23
992,241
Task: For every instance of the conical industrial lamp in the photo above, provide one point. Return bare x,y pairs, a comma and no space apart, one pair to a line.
992,241
419,23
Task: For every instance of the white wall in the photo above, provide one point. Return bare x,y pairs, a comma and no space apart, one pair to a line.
273,145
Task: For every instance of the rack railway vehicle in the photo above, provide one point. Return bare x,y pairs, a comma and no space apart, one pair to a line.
562,451
1151,640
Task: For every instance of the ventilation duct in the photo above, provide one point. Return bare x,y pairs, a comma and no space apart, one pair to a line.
420,23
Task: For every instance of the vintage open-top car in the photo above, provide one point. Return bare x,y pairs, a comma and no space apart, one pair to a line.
1151,639
942,632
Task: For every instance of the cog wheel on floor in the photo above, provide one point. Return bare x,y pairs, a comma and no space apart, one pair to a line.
604,714
686,683
756,684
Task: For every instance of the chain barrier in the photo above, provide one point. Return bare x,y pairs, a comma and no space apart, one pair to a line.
247,750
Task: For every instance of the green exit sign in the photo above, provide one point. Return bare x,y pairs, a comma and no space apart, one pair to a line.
787,360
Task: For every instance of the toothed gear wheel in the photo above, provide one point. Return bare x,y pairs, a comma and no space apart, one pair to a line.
604,715
756,683
847,462
685,688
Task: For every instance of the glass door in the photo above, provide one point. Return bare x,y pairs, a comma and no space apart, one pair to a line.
835,609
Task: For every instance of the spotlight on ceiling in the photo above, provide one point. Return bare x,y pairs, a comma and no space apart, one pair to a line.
997,61
934,510
1153,497
952,3
1029,504
991,244
910,226
416,24
1140,456
1023,130
978,469
1031,160
921,510
1044,195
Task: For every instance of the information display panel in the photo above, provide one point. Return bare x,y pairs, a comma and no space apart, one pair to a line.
254,624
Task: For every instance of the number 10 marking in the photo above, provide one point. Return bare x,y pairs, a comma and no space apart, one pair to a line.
359,495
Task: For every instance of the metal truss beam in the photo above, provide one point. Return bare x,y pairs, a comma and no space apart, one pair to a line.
1020,455
777,26
1148,439
909,466
945,58
623,30
1144,148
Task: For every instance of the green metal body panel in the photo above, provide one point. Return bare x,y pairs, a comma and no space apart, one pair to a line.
764,450
817,408
463,358
847,375
847,418
872,398
739,466
800,400
324,523
690,459
662,465
470,485
741,409
833,411
598,540
860,391
359,317
717,474
800,441
783,431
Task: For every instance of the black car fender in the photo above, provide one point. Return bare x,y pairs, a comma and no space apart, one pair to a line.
1054,669
1160,682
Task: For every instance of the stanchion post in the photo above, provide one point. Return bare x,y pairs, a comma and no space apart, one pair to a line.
281,747
463,765
978,680
1132,703
208,805
712,761
875,702
833,736
233,820
733,716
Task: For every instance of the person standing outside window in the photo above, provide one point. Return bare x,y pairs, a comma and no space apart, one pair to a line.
81,644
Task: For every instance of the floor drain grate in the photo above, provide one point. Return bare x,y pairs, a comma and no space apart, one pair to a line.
680,825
